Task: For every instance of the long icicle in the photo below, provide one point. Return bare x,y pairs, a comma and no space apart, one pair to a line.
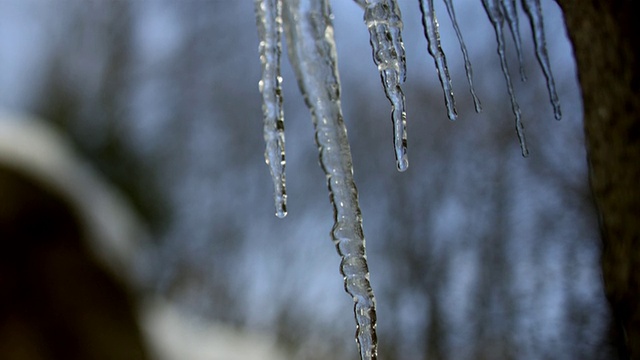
430,24
497,20
384,22
313,55
465,54
511,14
534,11
269,23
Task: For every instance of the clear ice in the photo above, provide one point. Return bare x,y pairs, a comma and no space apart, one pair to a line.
534,11
308,28
511,14
465,54
269,24
496,17
384,22
312,52
430,24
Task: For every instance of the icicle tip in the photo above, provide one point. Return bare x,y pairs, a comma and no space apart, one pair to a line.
403,163
281,206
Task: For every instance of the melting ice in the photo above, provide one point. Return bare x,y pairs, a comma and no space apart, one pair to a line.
431,32
534,11
511,14
465,54
309,32
496,17
312,52
384,22
269,23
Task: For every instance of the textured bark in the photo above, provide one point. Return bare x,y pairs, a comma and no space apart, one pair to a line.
604,34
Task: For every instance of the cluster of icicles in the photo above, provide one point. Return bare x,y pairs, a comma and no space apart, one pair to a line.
308,30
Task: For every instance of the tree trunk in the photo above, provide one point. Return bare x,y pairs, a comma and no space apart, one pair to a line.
605,40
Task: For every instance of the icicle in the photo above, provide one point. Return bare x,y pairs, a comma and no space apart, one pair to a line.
511,14
384,22
534,11
269,23
497,20
313,56
465,54
430,24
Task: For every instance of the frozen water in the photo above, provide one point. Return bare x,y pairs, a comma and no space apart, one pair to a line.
269,23
534,11
384,22
312,52
309,32
496,17
511,14
465,54
430,24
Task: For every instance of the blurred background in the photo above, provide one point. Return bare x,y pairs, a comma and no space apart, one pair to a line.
474,252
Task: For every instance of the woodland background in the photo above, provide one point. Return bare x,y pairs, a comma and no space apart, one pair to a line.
474,252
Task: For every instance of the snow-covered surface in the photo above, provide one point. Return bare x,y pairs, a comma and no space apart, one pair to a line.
31,146
35,148
174,334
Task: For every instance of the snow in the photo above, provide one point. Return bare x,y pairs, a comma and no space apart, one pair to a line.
172,333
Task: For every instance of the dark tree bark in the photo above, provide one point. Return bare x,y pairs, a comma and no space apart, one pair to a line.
604,34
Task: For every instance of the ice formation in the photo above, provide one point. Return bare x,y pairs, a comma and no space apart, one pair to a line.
312,53
511,14
384,22
465,54
431,32
534,11
308,28
496,17
269,24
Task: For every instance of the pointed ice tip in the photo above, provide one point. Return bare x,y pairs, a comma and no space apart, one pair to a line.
523,76
476,103
281,207
281,214
403,164
557,113
525,152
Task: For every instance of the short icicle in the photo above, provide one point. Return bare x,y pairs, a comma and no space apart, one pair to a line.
269,23
511,14
534,11
497,20
465,54
384,21
312,52
431,32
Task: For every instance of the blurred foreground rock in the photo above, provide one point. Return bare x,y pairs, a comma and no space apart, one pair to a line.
67,277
